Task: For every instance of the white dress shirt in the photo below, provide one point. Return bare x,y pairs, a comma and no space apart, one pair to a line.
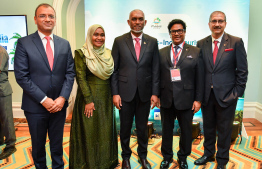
219,41
171,51
134,41
44,41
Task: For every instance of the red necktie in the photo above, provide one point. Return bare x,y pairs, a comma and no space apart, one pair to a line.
49,52
215,51
137,48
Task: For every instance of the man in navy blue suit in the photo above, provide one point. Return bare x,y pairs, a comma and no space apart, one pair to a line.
44,68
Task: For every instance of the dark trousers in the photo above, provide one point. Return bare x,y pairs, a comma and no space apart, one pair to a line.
184,117
39,125
220,119
2,141
141,111
6,121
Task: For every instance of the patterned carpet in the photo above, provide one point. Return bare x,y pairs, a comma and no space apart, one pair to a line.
247,155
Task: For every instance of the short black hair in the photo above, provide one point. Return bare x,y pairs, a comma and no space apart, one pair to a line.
176,21
45,5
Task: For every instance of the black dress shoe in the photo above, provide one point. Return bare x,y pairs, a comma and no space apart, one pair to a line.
145,164
126,164
7,152
221,166
204,159
165,164
182,164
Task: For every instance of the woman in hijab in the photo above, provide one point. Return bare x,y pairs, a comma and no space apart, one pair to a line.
93,139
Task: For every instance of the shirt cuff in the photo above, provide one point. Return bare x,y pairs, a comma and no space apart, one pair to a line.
42,101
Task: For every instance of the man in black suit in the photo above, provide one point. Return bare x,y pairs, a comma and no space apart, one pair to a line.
181,92
225,62
44,68
134,83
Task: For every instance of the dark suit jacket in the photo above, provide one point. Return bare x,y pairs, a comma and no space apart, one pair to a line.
229,74
129,74
33,73
191,87
5,87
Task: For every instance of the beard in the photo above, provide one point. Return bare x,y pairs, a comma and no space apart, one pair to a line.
135,31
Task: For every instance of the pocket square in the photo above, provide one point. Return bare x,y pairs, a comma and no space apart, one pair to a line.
189,57
230,49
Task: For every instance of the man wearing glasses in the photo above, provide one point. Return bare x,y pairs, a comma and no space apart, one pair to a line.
44,68
181,93
225,63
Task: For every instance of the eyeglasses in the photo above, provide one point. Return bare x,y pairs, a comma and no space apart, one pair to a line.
219,21
42,16
179,31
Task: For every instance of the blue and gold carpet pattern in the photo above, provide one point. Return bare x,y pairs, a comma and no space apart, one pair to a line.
247,155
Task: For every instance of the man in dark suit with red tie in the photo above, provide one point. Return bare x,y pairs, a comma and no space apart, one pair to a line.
181,92
134,83
44,68
226,73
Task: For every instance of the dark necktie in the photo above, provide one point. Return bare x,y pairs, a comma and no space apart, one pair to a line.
176,51
215,52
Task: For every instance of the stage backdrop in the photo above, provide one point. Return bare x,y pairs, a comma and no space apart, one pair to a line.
113,16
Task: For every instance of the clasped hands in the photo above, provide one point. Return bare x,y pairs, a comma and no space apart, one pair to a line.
54,106
118,103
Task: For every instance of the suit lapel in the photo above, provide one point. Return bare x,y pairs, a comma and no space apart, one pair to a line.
209,52
56,47
144,44
130,44
221,49
39,45
183,55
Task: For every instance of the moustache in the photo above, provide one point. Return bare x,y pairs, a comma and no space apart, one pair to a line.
217,27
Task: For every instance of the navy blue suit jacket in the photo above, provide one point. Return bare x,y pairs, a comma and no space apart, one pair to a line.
229,74
33,73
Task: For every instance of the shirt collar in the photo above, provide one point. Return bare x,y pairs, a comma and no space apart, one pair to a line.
218,39
180,45
133,36
42,36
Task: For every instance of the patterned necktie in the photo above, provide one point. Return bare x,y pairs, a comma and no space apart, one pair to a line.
176,51
137,48
49,52
215,52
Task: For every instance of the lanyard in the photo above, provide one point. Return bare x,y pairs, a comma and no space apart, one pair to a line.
175,56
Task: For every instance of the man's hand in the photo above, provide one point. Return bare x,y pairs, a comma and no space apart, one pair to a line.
48,104
59,104
155,101
89,108
196,106
117,101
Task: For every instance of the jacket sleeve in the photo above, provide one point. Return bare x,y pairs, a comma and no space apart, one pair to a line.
3,58
156,71
114,76
241,68
22,74
69,76
81,69
199,91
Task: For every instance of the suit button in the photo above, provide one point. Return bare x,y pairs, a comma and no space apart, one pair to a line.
212,74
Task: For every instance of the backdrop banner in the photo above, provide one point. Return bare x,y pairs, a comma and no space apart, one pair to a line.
113,16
